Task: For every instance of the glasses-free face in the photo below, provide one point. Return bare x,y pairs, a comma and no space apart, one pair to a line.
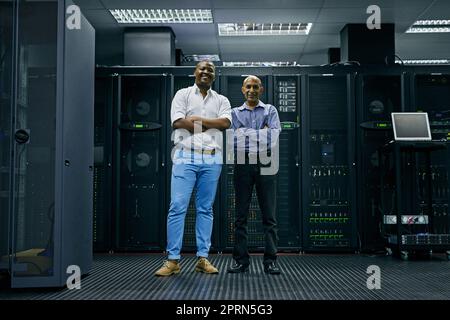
252,90
205,73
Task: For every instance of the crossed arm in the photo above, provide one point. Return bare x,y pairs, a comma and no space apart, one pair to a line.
191,122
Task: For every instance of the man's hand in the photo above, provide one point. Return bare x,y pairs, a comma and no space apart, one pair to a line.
219,123
194,118
197,122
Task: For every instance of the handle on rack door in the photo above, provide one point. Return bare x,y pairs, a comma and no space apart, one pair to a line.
22,136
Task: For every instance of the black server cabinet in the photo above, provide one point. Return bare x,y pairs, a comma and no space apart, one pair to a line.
377,95
102,206
181,81
47,145
230,86
329,213
431,94
139,161
287,101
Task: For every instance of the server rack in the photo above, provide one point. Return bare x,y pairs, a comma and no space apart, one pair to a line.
377,95
328,173
102,206
50,145
139,160
431,94
287,99
361,90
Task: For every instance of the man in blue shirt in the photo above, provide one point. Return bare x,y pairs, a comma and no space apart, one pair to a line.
256,128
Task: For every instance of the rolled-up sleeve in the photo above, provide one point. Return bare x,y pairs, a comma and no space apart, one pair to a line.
178,108
225,109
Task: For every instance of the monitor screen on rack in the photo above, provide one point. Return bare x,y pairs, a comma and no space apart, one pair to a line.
411,126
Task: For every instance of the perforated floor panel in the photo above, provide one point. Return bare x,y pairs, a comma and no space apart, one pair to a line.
304,277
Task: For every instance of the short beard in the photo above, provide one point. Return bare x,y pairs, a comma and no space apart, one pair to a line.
203,86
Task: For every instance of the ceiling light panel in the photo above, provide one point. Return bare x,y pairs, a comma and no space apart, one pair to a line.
263,29
201,57
430,26
425,61
162,15
258,64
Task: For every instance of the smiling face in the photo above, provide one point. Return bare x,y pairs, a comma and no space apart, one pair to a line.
252,89
205,73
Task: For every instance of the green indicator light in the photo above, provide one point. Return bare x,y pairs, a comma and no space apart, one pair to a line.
138,125
382,125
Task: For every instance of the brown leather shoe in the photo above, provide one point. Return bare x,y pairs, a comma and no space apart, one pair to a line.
169,267
203,265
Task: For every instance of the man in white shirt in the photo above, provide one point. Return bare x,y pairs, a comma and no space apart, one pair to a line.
198,114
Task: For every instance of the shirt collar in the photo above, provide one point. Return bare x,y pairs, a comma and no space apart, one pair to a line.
197,89
245,106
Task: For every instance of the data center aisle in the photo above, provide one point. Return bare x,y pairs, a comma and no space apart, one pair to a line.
304,277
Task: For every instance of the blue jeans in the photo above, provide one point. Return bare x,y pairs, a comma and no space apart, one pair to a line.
203,175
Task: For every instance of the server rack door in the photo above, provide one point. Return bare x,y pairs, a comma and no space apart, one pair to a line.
328,174
287,100
51,181
189,236
6,49
140,174
377,96
34,180
77,150
231,88
431,94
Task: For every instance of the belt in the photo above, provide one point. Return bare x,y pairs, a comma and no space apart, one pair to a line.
205,151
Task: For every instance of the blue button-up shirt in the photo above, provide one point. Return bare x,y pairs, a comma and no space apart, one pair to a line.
257,129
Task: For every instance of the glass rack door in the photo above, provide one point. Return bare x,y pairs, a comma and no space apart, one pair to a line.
34,110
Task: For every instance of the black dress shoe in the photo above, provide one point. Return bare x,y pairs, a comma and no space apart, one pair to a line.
271,268
238,268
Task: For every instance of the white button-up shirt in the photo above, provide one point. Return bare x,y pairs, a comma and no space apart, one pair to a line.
189,102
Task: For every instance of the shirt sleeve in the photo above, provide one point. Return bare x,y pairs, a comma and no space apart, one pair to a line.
234,121
225,109
272,132
273,122
178,108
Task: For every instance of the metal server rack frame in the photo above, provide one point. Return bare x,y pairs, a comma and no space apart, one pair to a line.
437,80
291,128
44,243
126,73
103,191
340,228
370,222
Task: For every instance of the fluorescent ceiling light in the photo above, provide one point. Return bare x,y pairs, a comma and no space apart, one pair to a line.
424,61
263,29
201,57
429,26
258,64
162,15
